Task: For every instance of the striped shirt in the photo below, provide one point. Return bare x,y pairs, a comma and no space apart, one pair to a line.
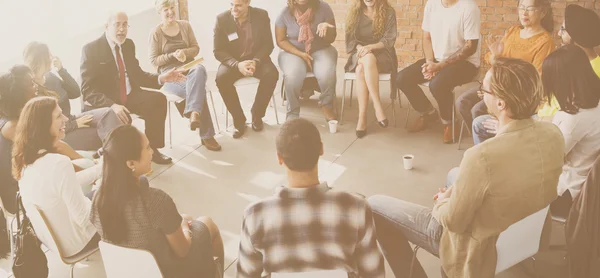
308,229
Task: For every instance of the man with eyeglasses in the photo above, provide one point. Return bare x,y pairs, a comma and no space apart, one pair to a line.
582,27
111,76
499,182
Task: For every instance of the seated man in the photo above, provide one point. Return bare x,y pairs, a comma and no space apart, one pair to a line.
111,76
306,225
450,43
499,182
243,43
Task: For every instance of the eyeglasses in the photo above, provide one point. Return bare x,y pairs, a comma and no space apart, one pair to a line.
529,9
562,29
481,91
123,25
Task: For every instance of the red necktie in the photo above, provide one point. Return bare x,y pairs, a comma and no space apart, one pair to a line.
122,81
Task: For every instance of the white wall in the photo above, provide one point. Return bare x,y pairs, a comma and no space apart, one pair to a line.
203,17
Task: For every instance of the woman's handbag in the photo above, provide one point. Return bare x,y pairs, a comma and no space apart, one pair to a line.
30,261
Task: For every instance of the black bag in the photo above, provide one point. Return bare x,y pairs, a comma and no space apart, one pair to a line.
30,261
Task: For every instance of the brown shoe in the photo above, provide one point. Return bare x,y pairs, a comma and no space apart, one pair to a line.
448,133
329,113
422,122
194,120
211,144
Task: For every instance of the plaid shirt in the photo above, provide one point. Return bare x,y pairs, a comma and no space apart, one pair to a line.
309,229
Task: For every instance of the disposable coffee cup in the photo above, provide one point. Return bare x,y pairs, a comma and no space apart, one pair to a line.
333,126
408,161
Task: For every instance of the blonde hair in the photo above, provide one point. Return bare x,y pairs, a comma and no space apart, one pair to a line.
517,83
37,57
381,8
161,4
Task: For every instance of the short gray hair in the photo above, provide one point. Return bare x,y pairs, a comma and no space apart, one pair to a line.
112,14
161,4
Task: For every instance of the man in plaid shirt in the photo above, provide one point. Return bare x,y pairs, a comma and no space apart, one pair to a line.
307,226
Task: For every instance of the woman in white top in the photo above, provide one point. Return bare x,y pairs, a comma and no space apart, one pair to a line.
47,180
568,76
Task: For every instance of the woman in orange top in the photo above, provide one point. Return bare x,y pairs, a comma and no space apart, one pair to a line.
530,41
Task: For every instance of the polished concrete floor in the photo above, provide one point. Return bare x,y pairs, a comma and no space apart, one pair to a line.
222,184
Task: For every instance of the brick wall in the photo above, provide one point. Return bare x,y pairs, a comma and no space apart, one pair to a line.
496,16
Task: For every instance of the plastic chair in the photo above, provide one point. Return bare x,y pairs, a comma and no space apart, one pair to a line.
53,245
250,81
283,97
121,262
520,241
351,76
318,273
10,221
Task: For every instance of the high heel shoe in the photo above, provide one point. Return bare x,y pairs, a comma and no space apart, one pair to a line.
384,123
361,133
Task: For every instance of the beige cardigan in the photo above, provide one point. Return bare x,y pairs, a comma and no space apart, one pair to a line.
158,57
500,182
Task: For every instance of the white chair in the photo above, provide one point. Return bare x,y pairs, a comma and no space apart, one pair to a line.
54,239
351,76
283,96
319,273
10,224
463,124
250,81
174,99
123,262
520,241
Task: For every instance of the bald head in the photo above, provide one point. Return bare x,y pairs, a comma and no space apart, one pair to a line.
117,26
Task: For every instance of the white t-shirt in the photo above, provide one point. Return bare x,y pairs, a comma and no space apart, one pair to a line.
582,147
451,27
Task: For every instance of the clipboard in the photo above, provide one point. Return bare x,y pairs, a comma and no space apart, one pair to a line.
191,64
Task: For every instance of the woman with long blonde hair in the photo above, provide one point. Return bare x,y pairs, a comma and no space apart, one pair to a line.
370,38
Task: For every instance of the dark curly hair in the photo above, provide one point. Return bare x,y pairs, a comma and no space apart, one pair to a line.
314,4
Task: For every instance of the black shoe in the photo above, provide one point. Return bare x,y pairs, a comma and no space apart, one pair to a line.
239,132
258,125
384,123
160,158
361,133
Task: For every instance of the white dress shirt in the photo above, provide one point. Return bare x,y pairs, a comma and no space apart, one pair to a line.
114,52
582,147
52,185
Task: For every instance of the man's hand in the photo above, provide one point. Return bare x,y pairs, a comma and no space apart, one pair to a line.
122,113
84,121
322,29
491,125
430,69
174,75
307,59
56,64
247,68
179,55
495,45
444,193
363,50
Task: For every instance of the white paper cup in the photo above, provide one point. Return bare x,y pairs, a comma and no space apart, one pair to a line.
408,161
333,126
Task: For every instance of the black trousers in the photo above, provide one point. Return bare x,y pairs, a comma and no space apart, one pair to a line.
152,107
268,75
441,85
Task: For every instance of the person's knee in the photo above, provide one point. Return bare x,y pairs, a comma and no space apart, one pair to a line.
360,70
368,60
376,202
271,73
403,78
211,225
199,70
477,125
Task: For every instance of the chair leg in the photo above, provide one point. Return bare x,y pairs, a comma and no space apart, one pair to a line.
11,238
282,92
343,102
535,274
351,92
462,126
170,125
412,262
72,269
407,115
275,108
212,100
394,111
453,119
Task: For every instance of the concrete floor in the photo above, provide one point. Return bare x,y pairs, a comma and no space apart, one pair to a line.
222,184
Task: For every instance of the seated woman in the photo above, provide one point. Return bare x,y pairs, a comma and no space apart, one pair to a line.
128,212
173,44
370,37
84,131
569,77
305,30
47,179
530,41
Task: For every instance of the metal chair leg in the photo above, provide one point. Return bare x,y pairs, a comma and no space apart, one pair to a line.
351,92
534,269
72,268
275,108
343,102
282,92
407,115
453,124
462,126
170,125
412,262
212,100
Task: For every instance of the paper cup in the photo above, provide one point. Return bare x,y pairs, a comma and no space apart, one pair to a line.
408,161
333,126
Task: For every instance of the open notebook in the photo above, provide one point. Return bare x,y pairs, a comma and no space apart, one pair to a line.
191,64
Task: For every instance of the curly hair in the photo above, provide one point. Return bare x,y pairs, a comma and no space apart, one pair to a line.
314,4
381,8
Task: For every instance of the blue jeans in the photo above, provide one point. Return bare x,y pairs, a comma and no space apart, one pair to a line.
398,222
294,72
480,134
193,90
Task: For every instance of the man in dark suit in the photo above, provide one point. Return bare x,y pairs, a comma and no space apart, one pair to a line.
111,76
243,43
